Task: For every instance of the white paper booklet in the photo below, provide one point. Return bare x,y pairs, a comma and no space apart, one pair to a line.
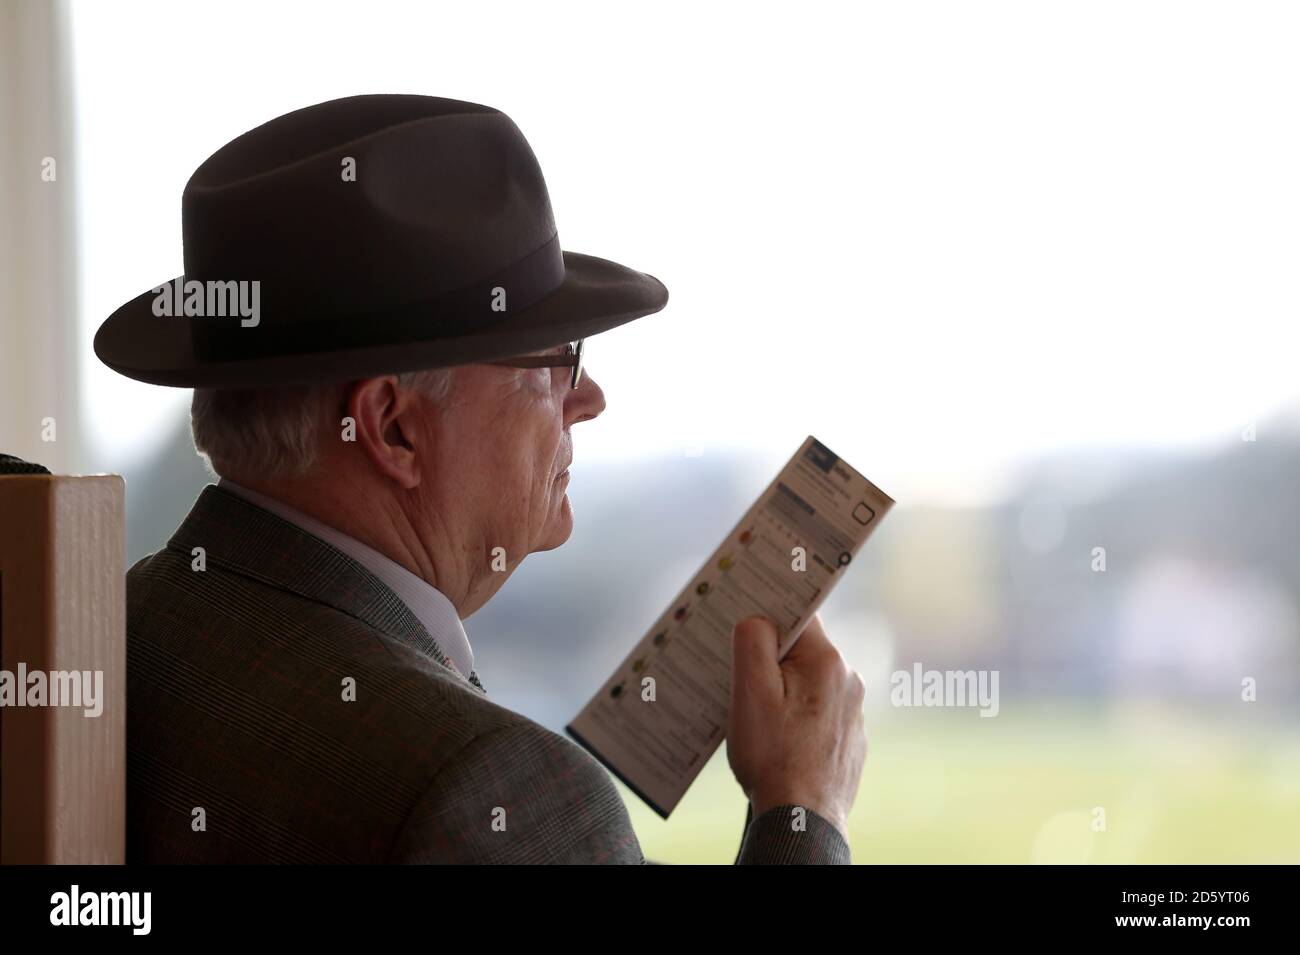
663,713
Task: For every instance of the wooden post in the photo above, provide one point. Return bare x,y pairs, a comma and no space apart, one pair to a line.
63,610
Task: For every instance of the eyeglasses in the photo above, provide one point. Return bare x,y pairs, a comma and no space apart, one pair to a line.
570,357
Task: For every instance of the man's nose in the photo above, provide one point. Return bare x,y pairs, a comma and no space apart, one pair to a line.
586,401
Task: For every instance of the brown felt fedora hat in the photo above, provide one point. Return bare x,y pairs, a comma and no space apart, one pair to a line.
364,236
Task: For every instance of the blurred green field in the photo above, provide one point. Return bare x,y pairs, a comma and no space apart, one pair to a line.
946,786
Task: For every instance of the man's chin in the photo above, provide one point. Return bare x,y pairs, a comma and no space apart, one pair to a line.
561,528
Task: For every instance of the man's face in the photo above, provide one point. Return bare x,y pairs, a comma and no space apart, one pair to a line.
502,450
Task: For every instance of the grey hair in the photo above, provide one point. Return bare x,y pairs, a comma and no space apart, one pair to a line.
277,432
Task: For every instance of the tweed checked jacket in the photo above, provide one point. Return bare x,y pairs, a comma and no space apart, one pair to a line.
244,746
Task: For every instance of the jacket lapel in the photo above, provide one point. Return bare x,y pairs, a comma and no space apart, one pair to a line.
239,536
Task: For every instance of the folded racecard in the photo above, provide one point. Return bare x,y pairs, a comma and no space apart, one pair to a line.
663,713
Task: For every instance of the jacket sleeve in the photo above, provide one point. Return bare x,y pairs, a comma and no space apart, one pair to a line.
518,794
773,839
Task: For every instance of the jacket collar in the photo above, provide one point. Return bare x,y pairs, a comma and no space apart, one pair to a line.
239,536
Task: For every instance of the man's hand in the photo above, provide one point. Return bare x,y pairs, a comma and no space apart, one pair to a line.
796,733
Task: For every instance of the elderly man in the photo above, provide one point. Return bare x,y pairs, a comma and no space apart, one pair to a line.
385,342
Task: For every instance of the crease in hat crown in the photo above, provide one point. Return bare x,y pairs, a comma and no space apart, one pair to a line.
422,107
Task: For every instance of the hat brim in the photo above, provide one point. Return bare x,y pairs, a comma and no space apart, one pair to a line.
596,295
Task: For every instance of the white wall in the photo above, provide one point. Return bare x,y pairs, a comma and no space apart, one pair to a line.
38,265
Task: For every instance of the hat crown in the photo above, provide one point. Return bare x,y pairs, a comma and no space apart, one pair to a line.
366,203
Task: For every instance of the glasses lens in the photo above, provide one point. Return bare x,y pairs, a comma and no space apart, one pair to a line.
577,368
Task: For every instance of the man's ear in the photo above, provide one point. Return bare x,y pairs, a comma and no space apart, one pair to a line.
386,428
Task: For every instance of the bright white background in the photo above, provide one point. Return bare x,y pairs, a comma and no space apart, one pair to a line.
944,237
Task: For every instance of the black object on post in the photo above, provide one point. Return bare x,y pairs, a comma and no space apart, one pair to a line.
14,465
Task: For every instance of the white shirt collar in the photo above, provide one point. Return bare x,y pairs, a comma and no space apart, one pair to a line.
431,607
